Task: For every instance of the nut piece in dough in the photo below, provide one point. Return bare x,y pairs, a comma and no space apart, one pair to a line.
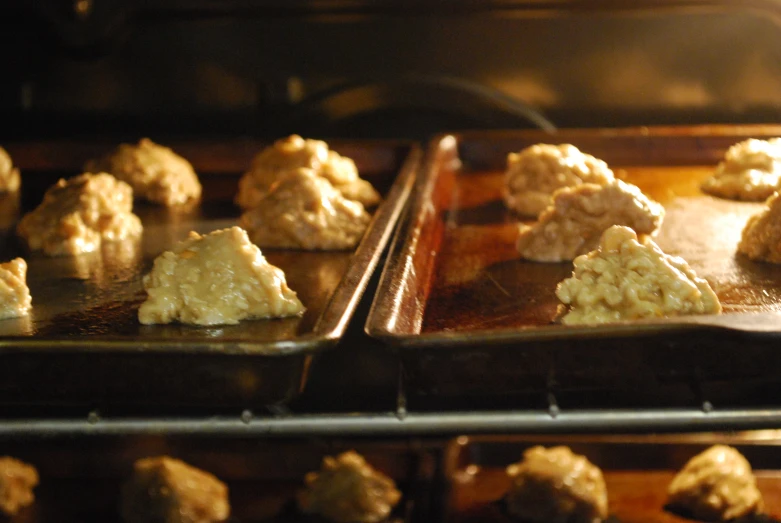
573,224
628,278
77,215
750,171
167,490
15,300
304,211
556,485
347,490
761,238
293,153
17,480
9,175
155,172
717,484
216,279
535,173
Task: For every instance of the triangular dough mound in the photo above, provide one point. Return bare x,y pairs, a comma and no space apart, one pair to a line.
216,279
750,171
627,278
15,300
304,211
573,224
761,238
9,175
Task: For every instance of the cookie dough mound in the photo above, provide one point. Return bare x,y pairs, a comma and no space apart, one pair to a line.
575,221
167,490
17,480
9,176
77,215
717,484
348,490
155,173
535,173
761,238
556,485
628,278
304,211
293,153
216,279
750,171
15,300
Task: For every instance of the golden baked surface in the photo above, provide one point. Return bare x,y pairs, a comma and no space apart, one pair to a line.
293,153
717,484
761,238
155,172
346,489
9,176
628,278
17,480
167,490
579,215
304,211
216,279
15,300
555,484
751,171
80,213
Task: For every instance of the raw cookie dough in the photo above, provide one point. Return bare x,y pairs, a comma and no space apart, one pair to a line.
717,484
220,278
15,300
761,238
750,171
17,480
304,211
9,175
628,278
294,152
535,173
347,490
579,215
555,485
167,490
156,173
78,214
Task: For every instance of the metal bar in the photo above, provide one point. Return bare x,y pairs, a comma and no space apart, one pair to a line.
388,423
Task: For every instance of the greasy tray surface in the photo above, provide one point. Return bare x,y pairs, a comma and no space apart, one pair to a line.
461,274
91,301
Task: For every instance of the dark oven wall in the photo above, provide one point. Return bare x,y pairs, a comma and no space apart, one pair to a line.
379,68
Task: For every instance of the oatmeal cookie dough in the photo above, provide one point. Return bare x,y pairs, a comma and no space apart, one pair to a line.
10,180
79,214
535,173
220,278
304,211
555,484
761,238
717,484
17,480
348,490
750,171
155,173
167,490
15,300
578,216
293,153
628,278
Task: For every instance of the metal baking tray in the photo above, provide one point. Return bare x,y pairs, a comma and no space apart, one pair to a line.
80,478
469,318
83,345
637,472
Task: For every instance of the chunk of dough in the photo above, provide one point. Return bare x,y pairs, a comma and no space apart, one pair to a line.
293,153
17,480
761,238
216,279
717,484
77,215
155,172
535,173
15,300
304,211
9,175
628,278
750,171
347,490
555,484
167,490
573,224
